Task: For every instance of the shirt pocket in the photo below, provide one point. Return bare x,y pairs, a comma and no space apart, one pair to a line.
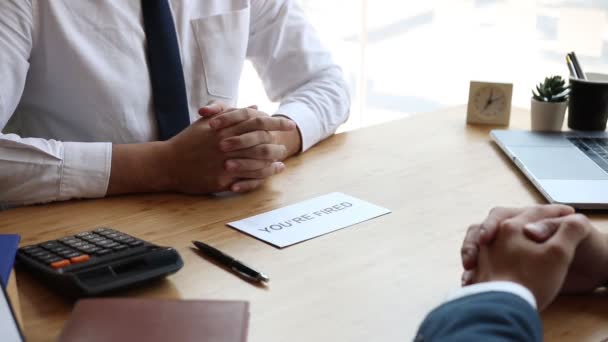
222,41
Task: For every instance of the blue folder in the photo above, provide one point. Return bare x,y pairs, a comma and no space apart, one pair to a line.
9,244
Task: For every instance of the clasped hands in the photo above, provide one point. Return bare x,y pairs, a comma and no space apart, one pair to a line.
547,249
229,149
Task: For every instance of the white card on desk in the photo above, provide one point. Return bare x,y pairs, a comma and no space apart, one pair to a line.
306,220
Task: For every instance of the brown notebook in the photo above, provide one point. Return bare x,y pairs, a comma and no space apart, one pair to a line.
150,320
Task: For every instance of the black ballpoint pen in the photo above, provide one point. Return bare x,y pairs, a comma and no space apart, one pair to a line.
571,67
577,66
231,262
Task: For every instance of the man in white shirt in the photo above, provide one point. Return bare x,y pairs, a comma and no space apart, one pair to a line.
517,261
81,88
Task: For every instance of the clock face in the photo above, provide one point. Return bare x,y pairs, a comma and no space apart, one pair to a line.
490,102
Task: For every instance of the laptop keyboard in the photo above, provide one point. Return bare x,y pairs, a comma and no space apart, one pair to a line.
595,148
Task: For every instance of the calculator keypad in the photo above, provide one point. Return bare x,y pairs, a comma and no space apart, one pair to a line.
81,247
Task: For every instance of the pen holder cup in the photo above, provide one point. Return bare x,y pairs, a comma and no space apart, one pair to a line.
588,109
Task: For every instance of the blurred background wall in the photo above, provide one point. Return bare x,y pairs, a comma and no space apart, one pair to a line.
405,57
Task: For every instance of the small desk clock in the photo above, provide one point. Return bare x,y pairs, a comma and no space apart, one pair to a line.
489,103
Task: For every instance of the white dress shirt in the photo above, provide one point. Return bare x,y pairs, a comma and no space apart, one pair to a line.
74,80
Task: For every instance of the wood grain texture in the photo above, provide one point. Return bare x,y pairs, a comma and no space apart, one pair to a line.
13,295
375,281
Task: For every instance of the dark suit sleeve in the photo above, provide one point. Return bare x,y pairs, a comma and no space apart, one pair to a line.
488,316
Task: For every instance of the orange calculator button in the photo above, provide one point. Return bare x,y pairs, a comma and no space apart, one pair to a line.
80,258
60,263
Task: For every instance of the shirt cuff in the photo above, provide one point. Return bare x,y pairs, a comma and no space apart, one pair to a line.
86,170
306,120
493,286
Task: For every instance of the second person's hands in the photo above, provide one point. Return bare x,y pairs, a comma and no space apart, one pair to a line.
540,267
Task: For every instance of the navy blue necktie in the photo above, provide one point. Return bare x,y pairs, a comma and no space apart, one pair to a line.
165,67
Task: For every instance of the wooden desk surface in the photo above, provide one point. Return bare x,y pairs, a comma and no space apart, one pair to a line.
372,282
13,295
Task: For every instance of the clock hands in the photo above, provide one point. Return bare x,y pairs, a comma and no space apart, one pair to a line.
489,101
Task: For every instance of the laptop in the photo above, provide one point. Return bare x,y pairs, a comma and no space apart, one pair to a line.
9,328
568,167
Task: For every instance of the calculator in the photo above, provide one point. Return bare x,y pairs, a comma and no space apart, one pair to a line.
97,262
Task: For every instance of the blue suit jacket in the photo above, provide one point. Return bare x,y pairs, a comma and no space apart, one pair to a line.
488,316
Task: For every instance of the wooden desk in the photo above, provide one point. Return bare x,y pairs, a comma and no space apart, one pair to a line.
372,282
13,295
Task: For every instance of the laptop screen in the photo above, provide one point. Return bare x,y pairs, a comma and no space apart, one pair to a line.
9,329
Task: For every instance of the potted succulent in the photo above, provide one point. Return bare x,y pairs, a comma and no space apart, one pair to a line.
549,102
